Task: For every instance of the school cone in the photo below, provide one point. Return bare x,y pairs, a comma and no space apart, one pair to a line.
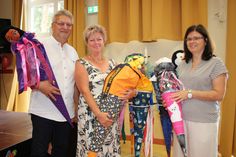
175,112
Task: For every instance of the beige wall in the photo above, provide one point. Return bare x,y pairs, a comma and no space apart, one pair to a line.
217,23
91,18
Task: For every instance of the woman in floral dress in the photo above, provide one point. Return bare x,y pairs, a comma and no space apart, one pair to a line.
90,73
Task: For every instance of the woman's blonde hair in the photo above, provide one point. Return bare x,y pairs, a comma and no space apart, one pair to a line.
94,29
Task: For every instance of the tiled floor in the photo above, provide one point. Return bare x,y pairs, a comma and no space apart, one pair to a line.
158,150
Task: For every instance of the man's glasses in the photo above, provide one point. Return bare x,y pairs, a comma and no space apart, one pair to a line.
194,38
61,24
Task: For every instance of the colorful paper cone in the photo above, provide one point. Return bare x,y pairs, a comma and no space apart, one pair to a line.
29,51
164,118
139,111
175,112
166,128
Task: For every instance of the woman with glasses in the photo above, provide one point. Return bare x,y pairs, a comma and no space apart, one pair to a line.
204,76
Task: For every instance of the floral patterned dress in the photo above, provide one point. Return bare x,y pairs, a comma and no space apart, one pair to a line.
111,147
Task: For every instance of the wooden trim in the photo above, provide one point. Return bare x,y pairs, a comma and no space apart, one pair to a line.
7,71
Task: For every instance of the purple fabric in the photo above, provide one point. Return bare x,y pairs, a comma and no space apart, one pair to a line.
59,103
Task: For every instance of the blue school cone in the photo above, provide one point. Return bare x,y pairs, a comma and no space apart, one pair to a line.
139,111
166,128
165,120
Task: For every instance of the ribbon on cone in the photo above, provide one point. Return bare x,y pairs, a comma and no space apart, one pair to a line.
33,66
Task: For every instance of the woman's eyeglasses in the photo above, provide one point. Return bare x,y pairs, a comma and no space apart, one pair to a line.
194,38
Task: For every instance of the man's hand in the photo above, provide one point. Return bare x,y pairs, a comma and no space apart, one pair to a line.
74,119
48,89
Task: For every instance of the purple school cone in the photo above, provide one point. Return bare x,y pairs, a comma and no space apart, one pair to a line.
175,112
60,105
25,50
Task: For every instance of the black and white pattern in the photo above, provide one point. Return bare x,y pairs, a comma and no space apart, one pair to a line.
113,105
111,146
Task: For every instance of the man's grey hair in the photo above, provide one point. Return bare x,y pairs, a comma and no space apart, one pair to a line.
62,12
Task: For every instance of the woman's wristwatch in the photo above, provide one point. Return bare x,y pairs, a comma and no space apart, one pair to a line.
190,94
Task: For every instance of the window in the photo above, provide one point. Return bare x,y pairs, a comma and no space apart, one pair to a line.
40,13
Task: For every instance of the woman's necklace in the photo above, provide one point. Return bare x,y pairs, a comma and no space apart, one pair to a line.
97,61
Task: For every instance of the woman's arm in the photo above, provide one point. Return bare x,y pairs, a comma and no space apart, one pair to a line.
215,94
82,83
